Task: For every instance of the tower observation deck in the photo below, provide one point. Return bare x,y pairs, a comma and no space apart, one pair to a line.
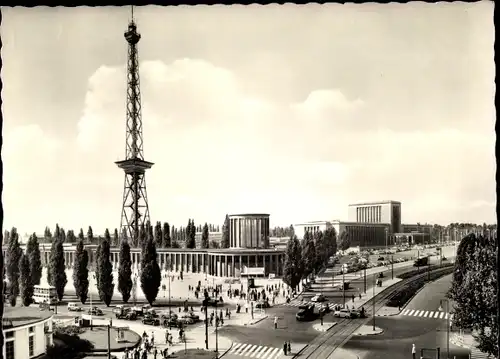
135,209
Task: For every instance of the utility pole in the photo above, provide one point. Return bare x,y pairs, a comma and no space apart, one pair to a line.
441,308
109,341
216,334
392,266
365,280
205,303
386,231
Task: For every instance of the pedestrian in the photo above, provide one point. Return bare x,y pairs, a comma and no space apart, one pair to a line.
289,348
155,353
353,298
359,295
285,347
276,323
413,351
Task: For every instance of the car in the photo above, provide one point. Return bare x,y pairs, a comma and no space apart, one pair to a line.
318,298
342,313
211,302
185,319
74,307
355,313
305,314
95,311
262,304
150,320
325,308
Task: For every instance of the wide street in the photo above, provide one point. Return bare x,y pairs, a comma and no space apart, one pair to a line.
420,323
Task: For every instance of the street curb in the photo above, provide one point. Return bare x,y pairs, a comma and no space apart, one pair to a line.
369,334
220,356
258,320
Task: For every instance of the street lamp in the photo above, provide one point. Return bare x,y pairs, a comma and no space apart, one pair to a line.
216,332
447,324
343,287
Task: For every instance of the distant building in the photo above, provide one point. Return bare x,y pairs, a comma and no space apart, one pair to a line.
376,212
415,234
27,332
361,234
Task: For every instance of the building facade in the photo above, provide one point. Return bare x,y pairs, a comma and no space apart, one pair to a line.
311,227
249,230
27,332
377,212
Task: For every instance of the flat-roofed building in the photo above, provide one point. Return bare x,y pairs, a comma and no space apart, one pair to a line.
311,227
377,212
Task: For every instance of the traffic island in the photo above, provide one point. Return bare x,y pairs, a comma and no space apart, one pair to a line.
98,336
368,330
323,328
193,354
387,311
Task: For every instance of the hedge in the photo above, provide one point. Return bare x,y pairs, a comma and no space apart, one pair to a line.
402,296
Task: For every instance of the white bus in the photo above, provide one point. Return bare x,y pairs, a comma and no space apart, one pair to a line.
45,294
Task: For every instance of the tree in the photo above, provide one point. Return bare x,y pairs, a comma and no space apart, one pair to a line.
308,254
345,241
57,232
166,235
90,235
81,272
321,249
70,236
116,238
142,240
225,233
204,236
62,235
190,234
214,244
474,287
13,256
57,268
125,271
34,257
81,236
150,274
158,235
26,282
294,266
47,234
104,275
331,241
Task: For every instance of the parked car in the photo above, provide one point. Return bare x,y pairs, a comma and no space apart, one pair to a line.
150,320
211,302
318,298
355,313
95,311
262,304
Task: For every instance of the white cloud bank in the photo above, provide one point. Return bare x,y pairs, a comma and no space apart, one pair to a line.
218,150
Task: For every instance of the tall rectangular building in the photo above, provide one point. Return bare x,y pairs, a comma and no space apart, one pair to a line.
377,212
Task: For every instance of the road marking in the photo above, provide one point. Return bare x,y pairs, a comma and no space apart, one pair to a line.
436,314
236,347
417,313
442,315
274,354
240,349
249,349
257,352
265,352
411,312
426,314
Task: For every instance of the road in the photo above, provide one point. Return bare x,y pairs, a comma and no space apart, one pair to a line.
426,328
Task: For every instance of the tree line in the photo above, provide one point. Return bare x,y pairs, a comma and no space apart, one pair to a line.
474,289
305,258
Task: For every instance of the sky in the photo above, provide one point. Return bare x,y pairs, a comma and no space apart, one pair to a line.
295,111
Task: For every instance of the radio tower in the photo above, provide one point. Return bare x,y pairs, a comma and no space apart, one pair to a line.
135,210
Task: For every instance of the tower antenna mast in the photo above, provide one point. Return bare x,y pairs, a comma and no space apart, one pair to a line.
135,209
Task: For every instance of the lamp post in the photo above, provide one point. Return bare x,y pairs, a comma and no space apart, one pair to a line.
447,324
365,281
373,303
216,333
343,288
92,277
134,289
392,266
386,232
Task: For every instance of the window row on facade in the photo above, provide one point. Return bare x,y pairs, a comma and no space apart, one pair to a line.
369,214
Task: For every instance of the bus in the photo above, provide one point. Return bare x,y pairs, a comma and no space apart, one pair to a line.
422,261
45,294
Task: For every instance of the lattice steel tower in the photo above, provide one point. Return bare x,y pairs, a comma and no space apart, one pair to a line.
135,210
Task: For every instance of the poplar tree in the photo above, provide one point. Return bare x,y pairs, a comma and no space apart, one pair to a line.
90,235
150,274
345,241
104,273
294,266
225,233
204,236
25,281
81,272
158,235
57,268
34,257
81,236
308,254
116,238
125,271
13,256
190,234
166,235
